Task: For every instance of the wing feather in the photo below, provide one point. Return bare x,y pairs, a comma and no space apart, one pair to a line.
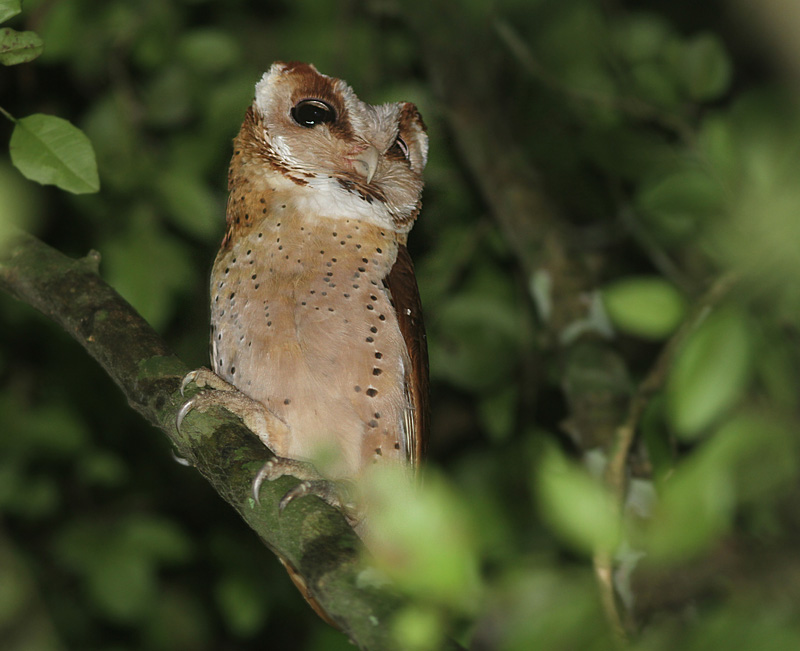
402,285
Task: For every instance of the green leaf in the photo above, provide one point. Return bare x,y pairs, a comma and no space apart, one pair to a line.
242,602
18,47
646,306
705,67
101,468
749,458
148,266
210,50
480,331
641,37
9,8
190,203
577,506
440,566
498,412
157,538
418,629
710,373
678,202
122,582
696,507
51,151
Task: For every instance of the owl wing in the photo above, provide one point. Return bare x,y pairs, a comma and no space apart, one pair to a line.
402,285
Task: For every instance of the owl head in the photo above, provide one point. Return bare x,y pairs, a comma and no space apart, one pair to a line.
313,129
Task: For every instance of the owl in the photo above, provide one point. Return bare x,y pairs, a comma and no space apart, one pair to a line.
316,324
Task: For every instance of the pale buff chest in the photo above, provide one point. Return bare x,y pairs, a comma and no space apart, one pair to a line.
301,321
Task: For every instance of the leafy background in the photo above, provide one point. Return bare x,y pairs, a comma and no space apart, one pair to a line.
666,136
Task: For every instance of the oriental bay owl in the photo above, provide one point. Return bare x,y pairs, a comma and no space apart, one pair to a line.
316,325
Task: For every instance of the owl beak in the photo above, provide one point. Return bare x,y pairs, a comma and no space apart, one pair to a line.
366,162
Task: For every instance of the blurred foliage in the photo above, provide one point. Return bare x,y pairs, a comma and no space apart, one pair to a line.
663,135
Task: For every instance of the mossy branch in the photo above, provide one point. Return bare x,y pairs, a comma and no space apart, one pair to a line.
313,537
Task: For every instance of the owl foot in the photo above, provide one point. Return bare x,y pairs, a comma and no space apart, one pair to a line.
336,494
255,415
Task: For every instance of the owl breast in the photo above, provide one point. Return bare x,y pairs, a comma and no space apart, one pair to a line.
302,322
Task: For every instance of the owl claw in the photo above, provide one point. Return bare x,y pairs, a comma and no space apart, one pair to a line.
324,489
335,494
190,377
185,409
264,473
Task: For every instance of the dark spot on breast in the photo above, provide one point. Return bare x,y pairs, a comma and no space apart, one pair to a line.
286,401
357,388
376,371
372,392
378,355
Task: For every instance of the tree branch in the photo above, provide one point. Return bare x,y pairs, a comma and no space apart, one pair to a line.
313,537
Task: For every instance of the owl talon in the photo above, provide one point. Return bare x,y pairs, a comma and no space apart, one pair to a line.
187,380
325,490
334,493
185,409
256,417
202,377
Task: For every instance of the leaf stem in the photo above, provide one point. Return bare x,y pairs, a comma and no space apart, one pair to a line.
7,114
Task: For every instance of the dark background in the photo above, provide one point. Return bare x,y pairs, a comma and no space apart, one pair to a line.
664,138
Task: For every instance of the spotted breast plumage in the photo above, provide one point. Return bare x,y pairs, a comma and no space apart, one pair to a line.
315,313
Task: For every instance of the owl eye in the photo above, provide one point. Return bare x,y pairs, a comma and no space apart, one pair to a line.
400,146
311,112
